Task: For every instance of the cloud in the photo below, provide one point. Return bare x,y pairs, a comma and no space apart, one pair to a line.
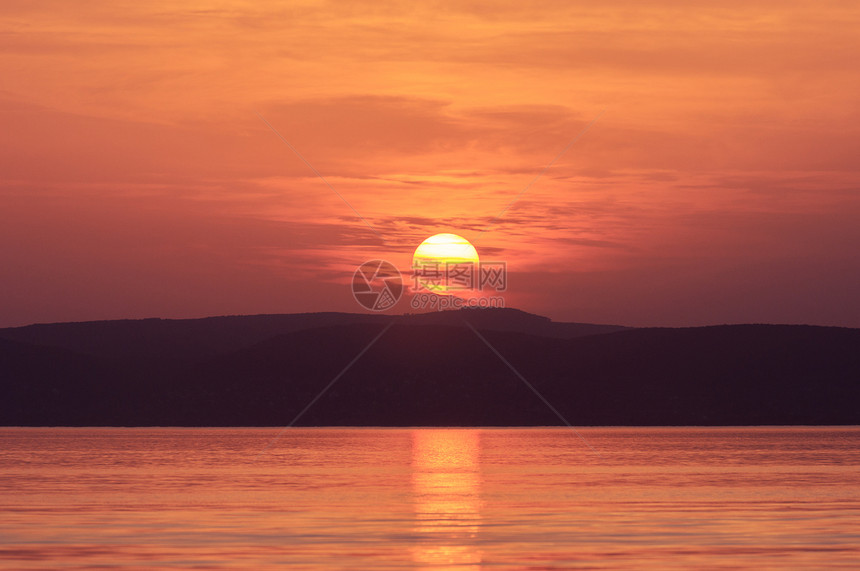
135,168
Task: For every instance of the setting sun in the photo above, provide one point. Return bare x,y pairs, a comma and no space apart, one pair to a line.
442,261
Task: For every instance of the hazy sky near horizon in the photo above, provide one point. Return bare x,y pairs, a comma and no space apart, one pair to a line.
719,184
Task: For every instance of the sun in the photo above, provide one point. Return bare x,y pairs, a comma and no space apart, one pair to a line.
445,263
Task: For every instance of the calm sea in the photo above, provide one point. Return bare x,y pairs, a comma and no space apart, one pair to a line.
429,498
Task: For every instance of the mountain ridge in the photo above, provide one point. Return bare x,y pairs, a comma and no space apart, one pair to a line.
187,340
425,372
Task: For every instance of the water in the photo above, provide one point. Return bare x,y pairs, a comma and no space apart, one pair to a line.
429,498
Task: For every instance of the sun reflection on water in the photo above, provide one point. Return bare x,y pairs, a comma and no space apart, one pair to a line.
446,485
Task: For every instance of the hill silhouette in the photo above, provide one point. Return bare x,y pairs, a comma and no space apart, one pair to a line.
428,370
182,341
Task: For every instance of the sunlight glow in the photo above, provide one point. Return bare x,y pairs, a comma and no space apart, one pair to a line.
440,253
446,483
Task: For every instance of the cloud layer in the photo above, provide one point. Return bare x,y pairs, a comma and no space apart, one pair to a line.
720,183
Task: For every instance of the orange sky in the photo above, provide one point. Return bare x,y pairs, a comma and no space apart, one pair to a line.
719,185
